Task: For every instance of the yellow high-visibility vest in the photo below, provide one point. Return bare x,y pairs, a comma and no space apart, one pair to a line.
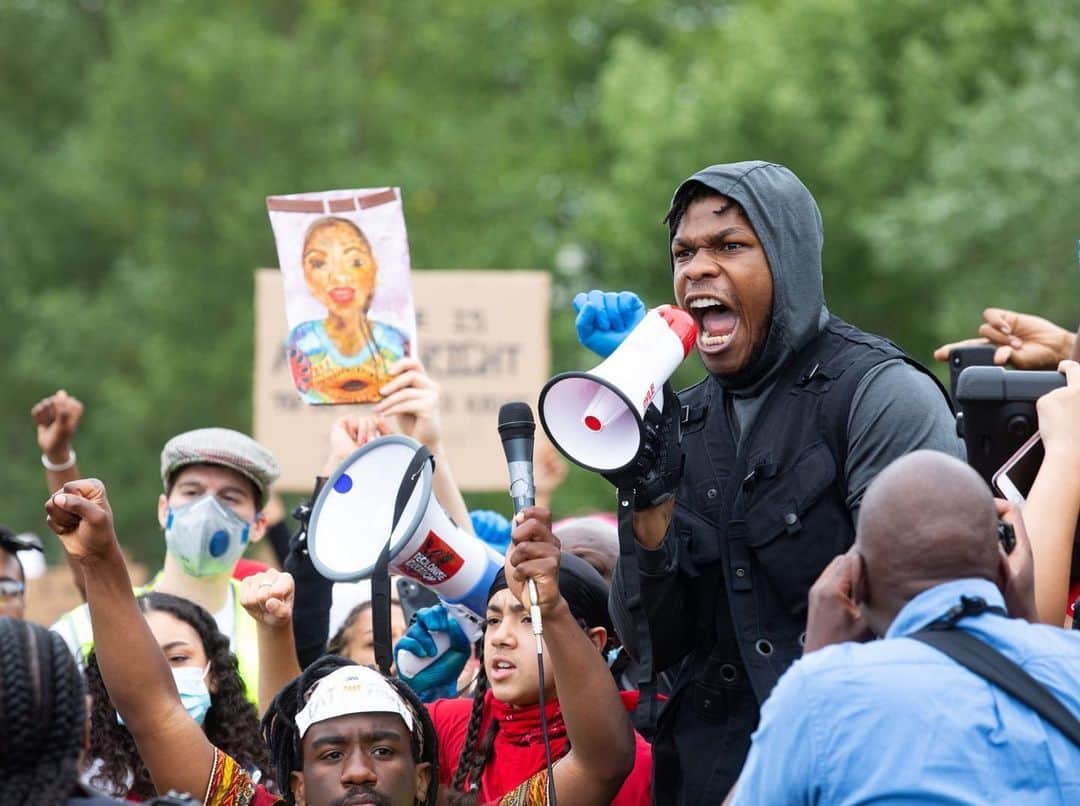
244,642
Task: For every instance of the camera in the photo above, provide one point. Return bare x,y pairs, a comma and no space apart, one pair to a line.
997,412
972,355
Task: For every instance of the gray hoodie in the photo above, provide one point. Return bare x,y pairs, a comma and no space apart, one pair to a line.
895,408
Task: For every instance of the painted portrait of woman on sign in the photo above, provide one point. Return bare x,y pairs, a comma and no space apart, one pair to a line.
345,258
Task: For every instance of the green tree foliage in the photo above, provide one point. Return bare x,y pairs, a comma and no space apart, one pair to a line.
163,126
138,141
852,94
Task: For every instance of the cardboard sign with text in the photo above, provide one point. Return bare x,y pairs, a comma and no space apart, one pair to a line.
483,335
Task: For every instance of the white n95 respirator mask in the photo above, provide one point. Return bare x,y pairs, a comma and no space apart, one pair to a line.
206,537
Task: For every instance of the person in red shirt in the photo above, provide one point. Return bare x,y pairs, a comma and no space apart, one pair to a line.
492,746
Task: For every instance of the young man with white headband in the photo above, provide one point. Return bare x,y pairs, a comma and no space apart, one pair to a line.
338,733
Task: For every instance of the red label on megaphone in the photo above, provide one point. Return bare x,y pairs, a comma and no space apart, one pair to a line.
433,563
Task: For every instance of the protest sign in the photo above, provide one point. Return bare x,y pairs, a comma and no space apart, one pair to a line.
483,335
344,260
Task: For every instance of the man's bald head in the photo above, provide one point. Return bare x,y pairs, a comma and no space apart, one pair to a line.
594,540
926,519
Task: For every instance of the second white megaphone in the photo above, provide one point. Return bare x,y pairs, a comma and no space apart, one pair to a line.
352,520
596,418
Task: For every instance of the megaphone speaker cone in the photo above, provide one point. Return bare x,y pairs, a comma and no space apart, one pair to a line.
596,418
352,517
354,513
589,421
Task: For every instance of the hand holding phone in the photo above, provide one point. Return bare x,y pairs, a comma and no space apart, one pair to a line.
1059,416
1013,479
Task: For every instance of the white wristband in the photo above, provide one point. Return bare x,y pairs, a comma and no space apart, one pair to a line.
59,468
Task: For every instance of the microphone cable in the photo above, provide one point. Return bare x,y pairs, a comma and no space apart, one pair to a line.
516,428
538,631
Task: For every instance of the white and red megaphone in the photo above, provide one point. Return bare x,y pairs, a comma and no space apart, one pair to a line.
353,516
596,418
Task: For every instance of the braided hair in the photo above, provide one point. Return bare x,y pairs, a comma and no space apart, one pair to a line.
476,752
283,737
42,715
586,594
231,724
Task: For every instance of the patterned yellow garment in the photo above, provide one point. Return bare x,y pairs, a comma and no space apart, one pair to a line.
230,785
533,792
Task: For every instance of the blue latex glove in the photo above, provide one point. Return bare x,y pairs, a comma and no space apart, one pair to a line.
605,318
491,527
438,679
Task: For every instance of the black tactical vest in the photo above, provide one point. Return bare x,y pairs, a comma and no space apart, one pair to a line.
755,527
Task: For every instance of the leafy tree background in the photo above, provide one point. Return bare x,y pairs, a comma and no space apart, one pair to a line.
138,141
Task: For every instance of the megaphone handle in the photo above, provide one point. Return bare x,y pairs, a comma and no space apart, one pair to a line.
380,578
410,665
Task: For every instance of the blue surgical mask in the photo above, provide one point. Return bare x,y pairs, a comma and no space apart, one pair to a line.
191,683
205,537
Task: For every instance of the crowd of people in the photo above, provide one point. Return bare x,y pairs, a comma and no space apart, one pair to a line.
802,593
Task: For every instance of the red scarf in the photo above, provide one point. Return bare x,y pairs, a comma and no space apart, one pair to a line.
518,751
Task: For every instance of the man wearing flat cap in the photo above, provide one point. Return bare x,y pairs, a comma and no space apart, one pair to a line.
216,483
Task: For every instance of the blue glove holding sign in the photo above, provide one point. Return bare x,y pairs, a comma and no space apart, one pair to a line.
433,634
605,318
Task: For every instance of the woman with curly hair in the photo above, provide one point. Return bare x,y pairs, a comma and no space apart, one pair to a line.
210,687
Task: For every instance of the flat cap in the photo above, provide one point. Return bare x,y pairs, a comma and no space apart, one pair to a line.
224,447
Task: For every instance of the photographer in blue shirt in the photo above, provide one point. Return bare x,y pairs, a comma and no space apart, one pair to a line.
896,720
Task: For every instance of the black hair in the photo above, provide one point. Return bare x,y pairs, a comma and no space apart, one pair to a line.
688,193
476,751
339,643
43,712
286,747
585,592
231,724
9,545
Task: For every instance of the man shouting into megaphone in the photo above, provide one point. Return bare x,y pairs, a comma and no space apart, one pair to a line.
798,413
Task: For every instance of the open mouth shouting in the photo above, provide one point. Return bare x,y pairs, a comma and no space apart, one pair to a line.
717,322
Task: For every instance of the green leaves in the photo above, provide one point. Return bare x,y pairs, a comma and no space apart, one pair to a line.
138,142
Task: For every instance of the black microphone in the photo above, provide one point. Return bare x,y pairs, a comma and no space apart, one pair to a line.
516,429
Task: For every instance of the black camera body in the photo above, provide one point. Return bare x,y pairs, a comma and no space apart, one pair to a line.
971,355
997,412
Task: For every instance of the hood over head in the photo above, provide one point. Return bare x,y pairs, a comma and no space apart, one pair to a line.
787,221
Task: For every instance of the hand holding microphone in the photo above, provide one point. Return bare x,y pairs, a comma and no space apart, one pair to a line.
532,561
516,430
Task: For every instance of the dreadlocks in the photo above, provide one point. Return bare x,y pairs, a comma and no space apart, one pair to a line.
283,737
42,715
